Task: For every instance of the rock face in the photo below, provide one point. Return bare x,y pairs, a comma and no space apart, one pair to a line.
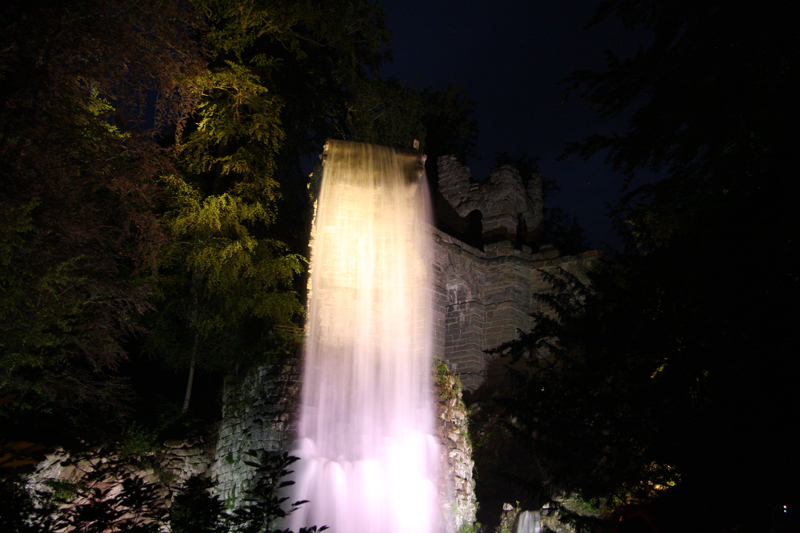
457,493
73,477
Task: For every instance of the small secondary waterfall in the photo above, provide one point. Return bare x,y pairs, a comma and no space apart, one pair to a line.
529,522
369,461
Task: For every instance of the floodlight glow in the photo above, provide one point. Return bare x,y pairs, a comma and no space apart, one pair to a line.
368,455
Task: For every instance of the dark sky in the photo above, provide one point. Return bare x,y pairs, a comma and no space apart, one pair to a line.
509,56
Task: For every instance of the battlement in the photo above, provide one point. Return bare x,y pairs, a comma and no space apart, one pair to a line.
510,210
483,297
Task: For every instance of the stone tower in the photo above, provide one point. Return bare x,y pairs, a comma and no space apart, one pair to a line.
484,296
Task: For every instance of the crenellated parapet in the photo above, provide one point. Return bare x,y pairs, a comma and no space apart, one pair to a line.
484,295
511,210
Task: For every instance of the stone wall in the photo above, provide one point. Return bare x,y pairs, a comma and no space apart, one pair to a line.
257,414
507,204
482,298
458,309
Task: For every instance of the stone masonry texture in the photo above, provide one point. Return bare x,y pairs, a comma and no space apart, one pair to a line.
482,298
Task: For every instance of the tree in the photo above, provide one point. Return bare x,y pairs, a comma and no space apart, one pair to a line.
85,87
587,403
264,505
283,77
195,509
388,113
710,98
685,339
234,277
21,511
450,127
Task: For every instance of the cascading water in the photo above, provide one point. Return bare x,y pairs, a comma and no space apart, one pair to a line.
368,459
529,522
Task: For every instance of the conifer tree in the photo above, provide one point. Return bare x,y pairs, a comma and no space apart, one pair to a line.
279,82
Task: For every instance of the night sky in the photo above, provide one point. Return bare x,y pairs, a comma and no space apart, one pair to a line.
509,55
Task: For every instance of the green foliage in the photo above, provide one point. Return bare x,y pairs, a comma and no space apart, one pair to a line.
387,112
718,137
235,273
564,231
138,440
282,78
263,505
470,528
493,433
195,510
279,79
152,153
76,205
684,338
171,423
447,385
98,222
702,47
450,128
624,375
62,491
586,407
441,372
111,496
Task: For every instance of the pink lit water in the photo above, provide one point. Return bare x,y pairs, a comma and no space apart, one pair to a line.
368,456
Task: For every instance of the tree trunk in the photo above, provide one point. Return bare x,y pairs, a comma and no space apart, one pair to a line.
197,277
190,382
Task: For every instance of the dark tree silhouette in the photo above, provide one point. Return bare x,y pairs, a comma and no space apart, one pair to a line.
677,361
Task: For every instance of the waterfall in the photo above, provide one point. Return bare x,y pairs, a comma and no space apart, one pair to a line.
369,461
529,522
